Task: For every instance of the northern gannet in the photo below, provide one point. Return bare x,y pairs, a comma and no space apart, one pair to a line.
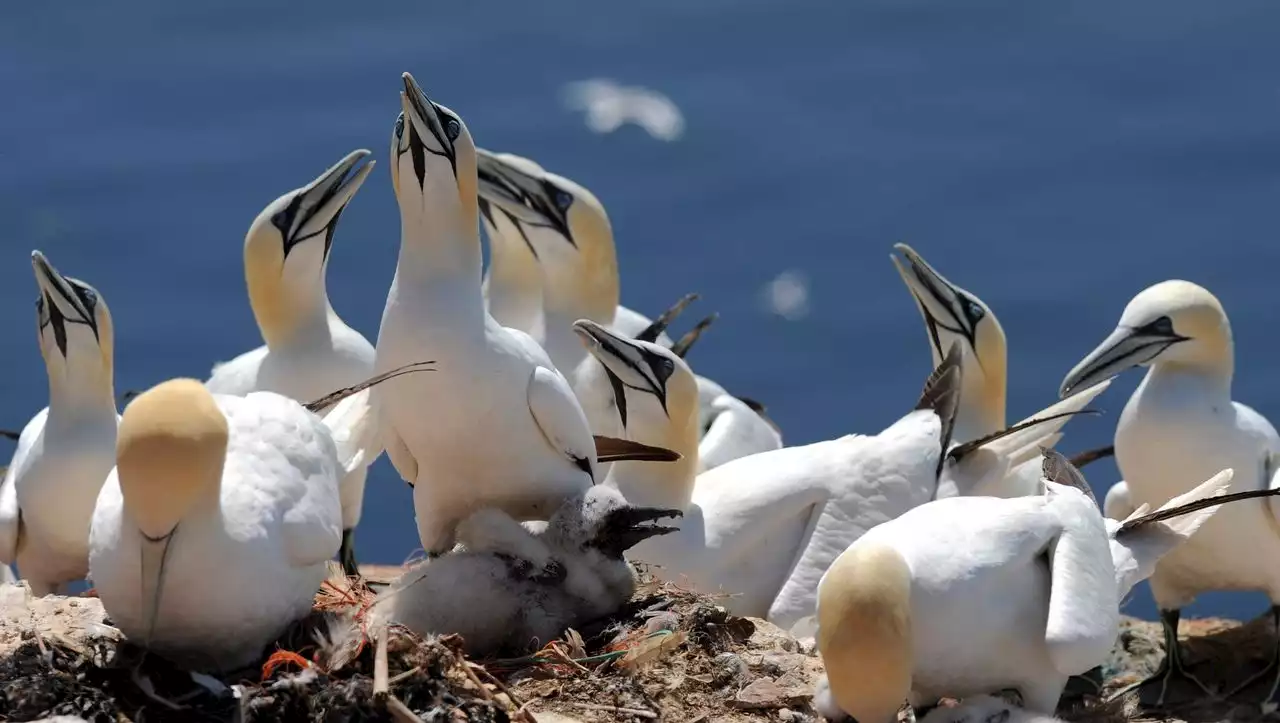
953,315
212,533
309,350
1179,424
737,428
512,284
970,595
508,586
67,449
567,229
497,425
764,528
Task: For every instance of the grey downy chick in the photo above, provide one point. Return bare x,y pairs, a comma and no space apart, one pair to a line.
507,587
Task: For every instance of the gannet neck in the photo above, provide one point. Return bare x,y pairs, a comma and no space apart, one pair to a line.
584,283
170,451
982,397
85,390
665,484
865,632
513,283
286,310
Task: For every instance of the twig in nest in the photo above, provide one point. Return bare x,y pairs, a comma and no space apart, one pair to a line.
555,650
400,712
639,712
501,686
381,684
45,654
476,681
398,677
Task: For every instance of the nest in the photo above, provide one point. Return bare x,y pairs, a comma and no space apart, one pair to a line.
669,654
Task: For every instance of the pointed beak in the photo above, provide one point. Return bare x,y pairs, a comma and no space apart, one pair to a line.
54,286
323,200
627,527
612,349
154,552
938,299
423,119
1123,349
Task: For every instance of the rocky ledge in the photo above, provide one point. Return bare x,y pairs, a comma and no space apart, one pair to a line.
670,655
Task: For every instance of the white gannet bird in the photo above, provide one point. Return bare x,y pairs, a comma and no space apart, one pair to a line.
765,527
738,427
971,595
985,709
512,285
567,230
497,425
509,586
953,315
67,449
211,535
1181,423
309,350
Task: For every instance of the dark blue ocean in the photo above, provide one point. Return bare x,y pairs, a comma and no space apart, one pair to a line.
1053,159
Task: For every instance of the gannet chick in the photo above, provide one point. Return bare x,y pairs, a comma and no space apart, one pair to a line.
515,436
309,350
211,535
954,315
512,285
969,595
568,231
1179,425
509,587
67,449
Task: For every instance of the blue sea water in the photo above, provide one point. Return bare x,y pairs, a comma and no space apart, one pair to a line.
1052,158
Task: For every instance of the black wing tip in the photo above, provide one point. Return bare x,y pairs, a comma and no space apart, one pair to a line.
1057,468
651,332
682,346
961,450
10,434
1093,455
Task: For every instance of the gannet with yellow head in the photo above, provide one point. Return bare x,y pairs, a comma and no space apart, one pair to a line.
953,315
67,449
211,535
309,349
1181,423
497,425
971,595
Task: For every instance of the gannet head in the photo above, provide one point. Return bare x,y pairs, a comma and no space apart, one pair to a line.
953,315
287,247
563,223
1173,323
601,519
654,389
433,168
74,328
170,452
865,632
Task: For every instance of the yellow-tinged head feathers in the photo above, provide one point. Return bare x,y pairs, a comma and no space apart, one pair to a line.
864,632
170,448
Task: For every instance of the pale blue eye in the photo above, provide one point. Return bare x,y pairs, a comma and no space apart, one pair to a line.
452,129
563,200
400,125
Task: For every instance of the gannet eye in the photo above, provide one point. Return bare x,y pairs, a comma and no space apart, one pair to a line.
452,129
40,303
975,312
564,200
400,125
87,296
663,368
1162,326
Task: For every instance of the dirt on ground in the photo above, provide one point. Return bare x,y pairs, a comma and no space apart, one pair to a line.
669,655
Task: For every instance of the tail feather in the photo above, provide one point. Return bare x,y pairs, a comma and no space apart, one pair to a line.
1144,537
651,332
942,395
612,449
352,420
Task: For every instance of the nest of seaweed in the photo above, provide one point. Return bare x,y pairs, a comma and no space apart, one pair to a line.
668,654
